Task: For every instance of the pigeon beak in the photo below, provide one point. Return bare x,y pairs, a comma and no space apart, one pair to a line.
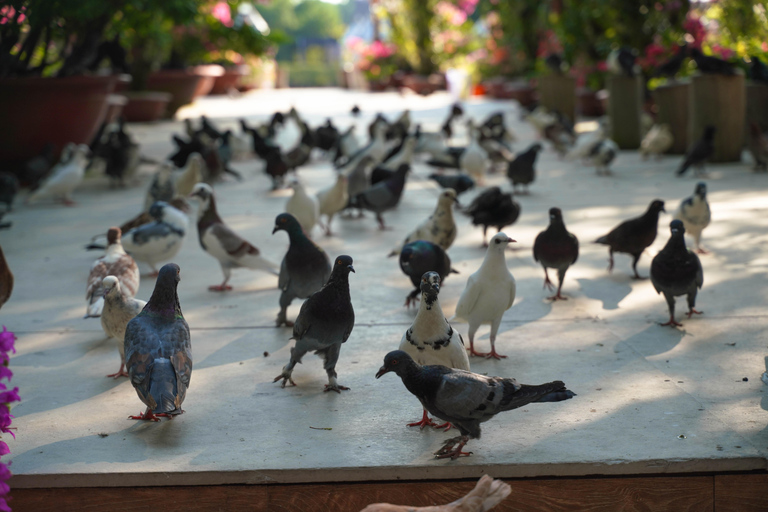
436,288
509,241
382,371
275,230
351,268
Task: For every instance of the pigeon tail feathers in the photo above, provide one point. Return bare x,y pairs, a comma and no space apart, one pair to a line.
162,387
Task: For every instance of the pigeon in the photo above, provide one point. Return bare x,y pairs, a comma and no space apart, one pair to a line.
758,146
327,136
440,227
304,269
346,146
404,156
522,170
622,61
556,248
419,257
554,61
118,311
677,271
700,152
633,236
399,129
671,67
657,141
38,167
121,154
159,240
493,208
430,339
276,167
487,494
494,129
325,321
695,214
447,127
9,186
298,156
466,399
710,64
192,174
602,155
585,142
474,159
376,149
303,206
458,182
162,187
158,352
489,292
332,200
6,279
218,240
355,110
382,196
758,71
115,262
64,177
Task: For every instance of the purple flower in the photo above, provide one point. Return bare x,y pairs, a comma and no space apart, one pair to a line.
5,372
6,341
7,397
4,505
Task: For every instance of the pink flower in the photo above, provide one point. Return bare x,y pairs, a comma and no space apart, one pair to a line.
4,450
4,506
7,397
5,422
222,13
6,341
602,66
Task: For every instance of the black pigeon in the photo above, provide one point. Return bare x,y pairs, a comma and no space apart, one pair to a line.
299,154
493,208
305,267
447,127
449,159
325,321
459,182
700,152
261,146
208,149
556,248
276,167
710,64
622,61
466,399
355,110
672,66
677,271
158,352
382,196
209,129
378,120
758,71
522,170
554,61
419,257
327,136
633,236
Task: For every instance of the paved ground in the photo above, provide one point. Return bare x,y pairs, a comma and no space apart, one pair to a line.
650,399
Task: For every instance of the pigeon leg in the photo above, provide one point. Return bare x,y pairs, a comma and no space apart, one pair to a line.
493,354
412,298
425,422
147,416
610,260
558,295
285,301
547,283
154,272
223,286
472,351
120,373
485,238
68,202
330,357
448,450
635,259
692,312
380,220
671,306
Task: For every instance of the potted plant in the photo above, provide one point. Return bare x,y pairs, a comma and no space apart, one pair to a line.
47,51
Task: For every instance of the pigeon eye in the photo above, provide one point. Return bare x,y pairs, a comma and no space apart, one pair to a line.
498,241
394,362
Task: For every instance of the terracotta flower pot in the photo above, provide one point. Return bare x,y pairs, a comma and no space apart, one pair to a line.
229,80
37,111
183,84
210,72
145,106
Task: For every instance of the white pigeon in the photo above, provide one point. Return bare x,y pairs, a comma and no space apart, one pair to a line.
585,143
432,143
430,339
439,228
695,214
192,174
218,240
540,118
115,262
65,176
474,159
119,309
348,143
303,206
162,187
159,240
490,291
332,200
376,150
657,141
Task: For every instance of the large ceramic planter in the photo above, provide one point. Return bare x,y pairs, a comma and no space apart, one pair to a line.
145,106
424,85
229,80
183,84
37,111
210,72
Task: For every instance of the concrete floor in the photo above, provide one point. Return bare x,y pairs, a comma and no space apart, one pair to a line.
650,399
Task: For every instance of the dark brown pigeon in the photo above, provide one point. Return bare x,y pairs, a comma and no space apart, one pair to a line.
556,248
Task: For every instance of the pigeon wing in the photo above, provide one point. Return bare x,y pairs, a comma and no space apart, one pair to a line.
464,395
231,242
468,298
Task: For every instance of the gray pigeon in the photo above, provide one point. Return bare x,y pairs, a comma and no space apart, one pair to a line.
159,240
695,214
677,271
158,352
305,267
466,399
218,240
325,321
118,311
382,196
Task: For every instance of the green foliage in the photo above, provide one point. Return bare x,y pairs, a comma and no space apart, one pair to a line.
743,25
309,18
307,74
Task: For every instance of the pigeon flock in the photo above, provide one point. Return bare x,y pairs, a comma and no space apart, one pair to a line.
432,359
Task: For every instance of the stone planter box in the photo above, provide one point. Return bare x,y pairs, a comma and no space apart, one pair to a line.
672,109
558,92
719,100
